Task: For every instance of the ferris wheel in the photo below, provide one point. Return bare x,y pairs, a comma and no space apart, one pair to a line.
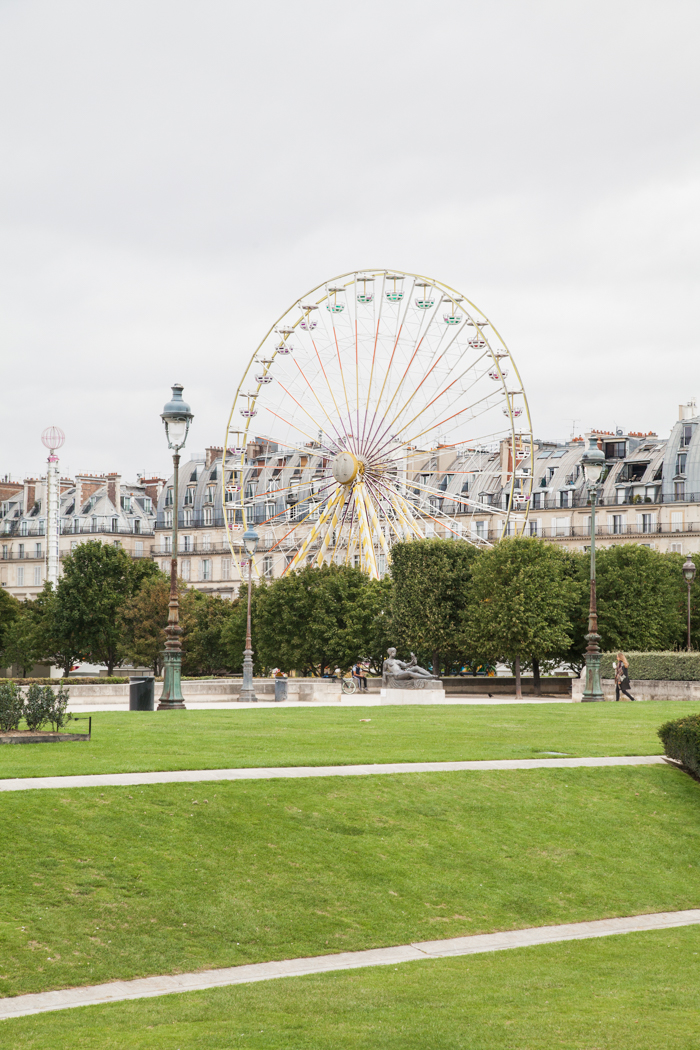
382,406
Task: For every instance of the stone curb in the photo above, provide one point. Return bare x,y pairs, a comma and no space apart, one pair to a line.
149,987
187,776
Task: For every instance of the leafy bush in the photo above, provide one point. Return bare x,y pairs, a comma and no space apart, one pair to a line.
681,740
656,667
56,707
35,707
107,680
11,706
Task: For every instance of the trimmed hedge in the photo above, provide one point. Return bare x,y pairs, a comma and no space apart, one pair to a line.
62,681
656,667
681,740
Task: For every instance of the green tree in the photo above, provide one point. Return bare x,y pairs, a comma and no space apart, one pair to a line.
519,608
23,641
56,648
97,581
310,619
143,620
204,648
432,585
9,611
640,598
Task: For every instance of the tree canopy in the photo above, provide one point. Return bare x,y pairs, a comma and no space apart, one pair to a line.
520,602
432,585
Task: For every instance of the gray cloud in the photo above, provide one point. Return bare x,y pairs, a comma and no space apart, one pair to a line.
176,174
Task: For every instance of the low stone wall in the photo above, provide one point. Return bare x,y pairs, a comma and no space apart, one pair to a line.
224,689
643,690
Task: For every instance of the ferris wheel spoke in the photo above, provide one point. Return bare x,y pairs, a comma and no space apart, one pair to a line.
467,408
442,393
430,369
425,378
318,401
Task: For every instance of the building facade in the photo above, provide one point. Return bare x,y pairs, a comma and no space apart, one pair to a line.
650,494
92,507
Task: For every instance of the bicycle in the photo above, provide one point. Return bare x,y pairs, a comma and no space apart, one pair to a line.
348,686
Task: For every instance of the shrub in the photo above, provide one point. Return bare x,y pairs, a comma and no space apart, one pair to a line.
107,680
11,706
681,740
35,708
656,667
56,705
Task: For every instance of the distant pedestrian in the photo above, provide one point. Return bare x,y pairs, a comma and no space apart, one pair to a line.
622,677
358,673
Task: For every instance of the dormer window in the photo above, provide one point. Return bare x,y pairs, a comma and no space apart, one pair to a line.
680,462
189,497
126,503
686,435
168,497
210,493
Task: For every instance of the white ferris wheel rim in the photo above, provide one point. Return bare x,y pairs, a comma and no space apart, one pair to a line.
342,447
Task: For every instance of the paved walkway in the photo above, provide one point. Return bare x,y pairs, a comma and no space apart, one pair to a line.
86,707
187,776
148,987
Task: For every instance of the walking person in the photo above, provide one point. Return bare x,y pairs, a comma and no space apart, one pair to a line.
622,677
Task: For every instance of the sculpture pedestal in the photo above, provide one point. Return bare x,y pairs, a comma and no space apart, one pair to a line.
428,693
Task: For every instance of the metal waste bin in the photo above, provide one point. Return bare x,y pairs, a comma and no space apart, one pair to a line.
280,689
141,692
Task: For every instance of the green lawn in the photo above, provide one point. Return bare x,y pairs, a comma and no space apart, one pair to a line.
134,881
631,992
128,741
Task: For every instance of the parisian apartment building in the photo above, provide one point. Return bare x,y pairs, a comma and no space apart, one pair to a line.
649,494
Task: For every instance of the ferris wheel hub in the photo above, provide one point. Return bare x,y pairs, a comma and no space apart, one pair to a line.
345,468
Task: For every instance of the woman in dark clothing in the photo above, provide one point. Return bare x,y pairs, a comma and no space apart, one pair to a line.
622,677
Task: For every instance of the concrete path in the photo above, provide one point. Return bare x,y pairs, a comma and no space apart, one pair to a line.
85,707
148,987
187,776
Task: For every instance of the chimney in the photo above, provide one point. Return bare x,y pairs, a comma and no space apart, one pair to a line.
688,411
153,487
114,490
29,494
212,454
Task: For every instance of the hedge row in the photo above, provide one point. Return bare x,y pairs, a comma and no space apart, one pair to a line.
62,681
37,706
656,667
681,740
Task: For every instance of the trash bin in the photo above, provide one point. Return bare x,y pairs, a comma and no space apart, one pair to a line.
280,689
141,692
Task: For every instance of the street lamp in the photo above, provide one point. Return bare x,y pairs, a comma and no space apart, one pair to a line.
689,573
177,418
250,541
593,462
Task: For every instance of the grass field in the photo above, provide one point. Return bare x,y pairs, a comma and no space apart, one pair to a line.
134,881
631,992
129,741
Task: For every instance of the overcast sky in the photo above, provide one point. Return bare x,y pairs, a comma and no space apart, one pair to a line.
175,173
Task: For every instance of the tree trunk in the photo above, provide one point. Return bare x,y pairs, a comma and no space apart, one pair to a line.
436,663
518,684
536,676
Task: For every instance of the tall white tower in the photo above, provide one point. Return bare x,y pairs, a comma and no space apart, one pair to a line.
52,438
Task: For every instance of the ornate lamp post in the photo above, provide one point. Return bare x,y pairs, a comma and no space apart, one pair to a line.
689,573
177,418
593,462
250,540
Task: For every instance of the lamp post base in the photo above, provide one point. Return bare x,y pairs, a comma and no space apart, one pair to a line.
171,698
247,694
593,691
